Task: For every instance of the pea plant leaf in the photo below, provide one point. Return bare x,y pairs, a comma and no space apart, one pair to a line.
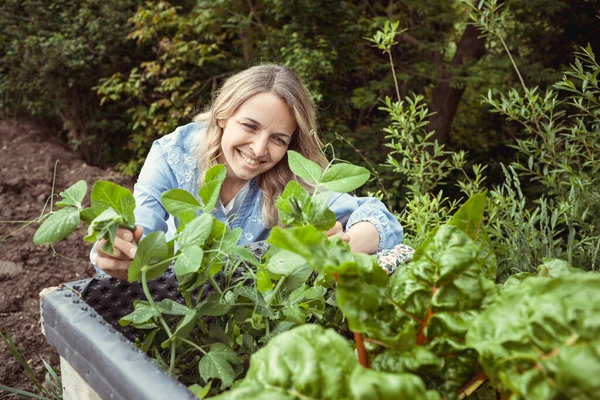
141,314
104,226
189,261
57,226
73,195
209,192
304,168
197,232
217,363
181,204
292,204
152,250
107,194
344,177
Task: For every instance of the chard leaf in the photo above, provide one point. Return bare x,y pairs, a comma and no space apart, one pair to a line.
217,363
197,232
57,226
469,218
181,204
107,194
73,195
552,325
314,363
152,250
368,384
209,192
344,177
304,168
189,261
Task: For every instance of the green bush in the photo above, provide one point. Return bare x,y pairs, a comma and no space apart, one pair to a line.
53,54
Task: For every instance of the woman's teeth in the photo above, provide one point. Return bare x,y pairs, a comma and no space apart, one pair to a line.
248,160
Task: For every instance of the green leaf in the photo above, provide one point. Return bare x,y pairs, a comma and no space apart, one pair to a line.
197,232
199,391
245,255
140,315
541,339
184,327
285,262
304,168
230,240
189,261
57,226
213,306
293,204
319,214
345,177
151,251
170,307
107,194
263,281
209,192
87,215
368,384
305,362
181,204
469,218
217,364
73,195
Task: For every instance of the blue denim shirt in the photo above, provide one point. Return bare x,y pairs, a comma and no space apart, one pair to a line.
172,163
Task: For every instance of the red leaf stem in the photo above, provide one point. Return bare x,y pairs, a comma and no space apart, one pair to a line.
421,335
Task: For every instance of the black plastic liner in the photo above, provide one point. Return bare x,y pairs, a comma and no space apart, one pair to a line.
81,320
108,361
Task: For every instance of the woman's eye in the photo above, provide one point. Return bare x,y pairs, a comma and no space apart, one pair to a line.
249,127
280,141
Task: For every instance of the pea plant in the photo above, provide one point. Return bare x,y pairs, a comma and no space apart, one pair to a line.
232,303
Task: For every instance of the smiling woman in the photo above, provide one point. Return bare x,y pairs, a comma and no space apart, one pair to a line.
256,117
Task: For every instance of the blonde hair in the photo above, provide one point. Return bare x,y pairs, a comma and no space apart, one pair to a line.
235,91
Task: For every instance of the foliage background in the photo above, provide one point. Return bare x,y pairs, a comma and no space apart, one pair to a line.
115,75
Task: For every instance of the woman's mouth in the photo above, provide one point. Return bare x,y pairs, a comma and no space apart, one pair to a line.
248,160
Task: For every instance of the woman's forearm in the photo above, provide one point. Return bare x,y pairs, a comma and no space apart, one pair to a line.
364,238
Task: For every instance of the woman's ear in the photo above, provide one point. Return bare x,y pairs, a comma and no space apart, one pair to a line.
222,123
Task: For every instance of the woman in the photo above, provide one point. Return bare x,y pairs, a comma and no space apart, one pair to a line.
256,117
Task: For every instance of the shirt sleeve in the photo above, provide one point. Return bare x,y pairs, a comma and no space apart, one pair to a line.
370,209
155,178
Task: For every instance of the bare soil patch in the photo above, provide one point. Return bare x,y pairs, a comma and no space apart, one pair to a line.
27,157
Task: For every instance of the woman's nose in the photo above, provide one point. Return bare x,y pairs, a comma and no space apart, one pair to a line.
259,145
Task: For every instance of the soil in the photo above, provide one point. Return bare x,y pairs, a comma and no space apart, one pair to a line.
28,153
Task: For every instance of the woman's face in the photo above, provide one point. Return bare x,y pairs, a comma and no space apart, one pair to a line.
256,137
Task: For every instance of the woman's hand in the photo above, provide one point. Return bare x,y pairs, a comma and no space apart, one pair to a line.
117,264
362,237
338,230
